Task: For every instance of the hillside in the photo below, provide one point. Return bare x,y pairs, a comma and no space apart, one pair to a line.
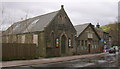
114,31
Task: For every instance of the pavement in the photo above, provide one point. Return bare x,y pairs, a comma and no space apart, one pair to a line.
45,60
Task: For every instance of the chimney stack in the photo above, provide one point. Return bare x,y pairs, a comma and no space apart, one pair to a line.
62,6
98,26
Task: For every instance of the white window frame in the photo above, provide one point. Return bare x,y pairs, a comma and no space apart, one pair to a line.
69,42
23,39
35,39
33,23
7,38
90,35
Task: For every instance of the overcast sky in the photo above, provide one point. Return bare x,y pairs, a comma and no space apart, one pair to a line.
79,11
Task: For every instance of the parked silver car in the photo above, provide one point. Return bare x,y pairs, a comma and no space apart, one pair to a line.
116,48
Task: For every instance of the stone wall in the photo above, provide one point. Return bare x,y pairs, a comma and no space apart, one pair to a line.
59,26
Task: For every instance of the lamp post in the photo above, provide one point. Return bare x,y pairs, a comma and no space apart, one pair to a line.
118,24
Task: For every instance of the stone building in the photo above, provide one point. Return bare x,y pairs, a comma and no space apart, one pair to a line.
53,33
88,40
106,41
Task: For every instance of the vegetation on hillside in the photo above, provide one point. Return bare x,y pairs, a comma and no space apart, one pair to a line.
114,31
110,27
106,27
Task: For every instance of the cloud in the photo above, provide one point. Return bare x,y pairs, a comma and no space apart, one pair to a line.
81,11
60,1
93,12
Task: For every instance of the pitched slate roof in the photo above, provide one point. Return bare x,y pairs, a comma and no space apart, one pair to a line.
32,24
81,28
100,31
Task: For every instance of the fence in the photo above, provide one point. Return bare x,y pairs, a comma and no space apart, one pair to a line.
53,52
12,51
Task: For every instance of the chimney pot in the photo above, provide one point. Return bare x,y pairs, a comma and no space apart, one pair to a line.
62,6
98,26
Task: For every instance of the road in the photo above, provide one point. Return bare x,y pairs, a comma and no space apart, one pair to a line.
106,60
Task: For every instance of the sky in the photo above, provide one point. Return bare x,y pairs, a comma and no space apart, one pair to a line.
79,11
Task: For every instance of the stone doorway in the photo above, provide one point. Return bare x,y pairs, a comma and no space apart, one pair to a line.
63,44
89,48
89,45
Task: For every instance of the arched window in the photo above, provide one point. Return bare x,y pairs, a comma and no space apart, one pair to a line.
57,43
69,43
52,39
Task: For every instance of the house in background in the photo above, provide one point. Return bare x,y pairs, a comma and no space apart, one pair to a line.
53,34
106,41
88,40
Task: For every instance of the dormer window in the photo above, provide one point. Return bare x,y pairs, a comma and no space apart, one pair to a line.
33,23
16,27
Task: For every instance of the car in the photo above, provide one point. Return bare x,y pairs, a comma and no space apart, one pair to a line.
107,49
112,50
116,48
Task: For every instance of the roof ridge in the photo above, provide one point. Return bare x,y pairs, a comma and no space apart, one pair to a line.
47,13
36,17
82,24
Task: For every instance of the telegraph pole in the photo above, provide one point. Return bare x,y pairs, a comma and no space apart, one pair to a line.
118,24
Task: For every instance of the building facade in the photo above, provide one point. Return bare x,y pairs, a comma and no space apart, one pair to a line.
53,34
87,39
